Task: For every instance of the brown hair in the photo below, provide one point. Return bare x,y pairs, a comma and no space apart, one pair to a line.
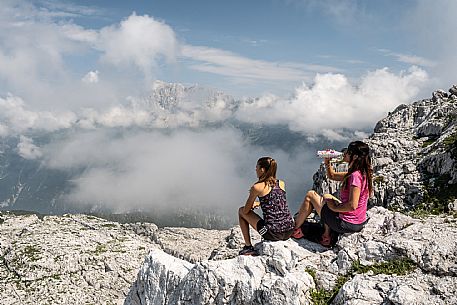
360,160
269,165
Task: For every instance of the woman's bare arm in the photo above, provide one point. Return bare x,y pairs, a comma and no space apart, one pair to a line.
253,193
331,174
351,205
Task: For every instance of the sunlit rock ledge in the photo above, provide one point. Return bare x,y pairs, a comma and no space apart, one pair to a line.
287,272
72,259
78,259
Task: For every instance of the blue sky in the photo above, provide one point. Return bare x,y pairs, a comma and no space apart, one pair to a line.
334,36
290,40
350,37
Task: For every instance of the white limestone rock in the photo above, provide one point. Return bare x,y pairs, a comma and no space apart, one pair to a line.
281,274
414,288
73,259
267,279
191,244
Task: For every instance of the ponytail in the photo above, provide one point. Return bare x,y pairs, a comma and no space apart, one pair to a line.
270,166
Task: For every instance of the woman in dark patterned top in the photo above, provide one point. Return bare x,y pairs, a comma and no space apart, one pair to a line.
278,223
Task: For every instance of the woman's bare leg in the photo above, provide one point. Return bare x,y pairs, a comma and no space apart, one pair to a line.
245,220
326,233
312,200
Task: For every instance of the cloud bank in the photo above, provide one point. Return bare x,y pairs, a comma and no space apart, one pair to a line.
332,104
28,150
329,108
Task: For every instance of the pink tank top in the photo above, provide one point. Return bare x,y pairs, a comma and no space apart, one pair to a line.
359,215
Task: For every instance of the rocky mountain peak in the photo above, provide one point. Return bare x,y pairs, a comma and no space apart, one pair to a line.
414,152
170,96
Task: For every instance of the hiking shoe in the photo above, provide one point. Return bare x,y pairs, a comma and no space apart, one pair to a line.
297,234
326,241
248,250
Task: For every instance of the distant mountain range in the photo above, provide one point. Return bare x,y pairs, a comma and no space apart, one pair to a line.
27,184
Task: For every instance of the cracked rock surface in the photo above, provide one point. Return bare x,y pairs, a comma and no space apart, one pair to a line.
74,259
286,272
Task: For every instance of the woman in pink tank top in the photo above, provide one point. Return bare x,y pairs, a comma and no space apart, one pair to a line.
349,213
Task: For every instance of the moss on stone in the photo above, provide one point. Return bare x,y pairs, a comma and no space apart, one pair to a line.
378,179
31,252
100,249
450,144
401,266
437,195
428,142
109,225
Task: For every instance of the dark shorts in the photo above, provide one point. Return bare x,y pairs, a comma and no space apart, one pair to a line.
332,219
269,235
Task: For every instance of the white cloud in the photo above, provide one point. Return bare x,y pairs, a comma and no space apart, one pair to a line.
91,77
409,58
3,130
78,33
65,9
17,118
27,149
33,57
153,169
211,168
226,63
332,107
333,103
138,40
119,116
34,51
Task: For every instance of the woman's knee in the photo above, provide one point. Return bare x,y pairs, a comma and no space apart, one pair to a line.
241,211
311,194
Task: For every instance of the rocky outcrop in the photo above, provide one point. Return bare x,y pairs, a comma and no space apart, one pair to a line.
77,259
414,288
287,272
73,259
414,155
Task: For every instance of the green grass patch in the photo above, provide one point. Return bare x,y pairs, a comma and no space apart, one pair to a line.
321,296
56,277
450,143
401,266
31,252
311,272
378,179
428,142
100,249
437,195
109,225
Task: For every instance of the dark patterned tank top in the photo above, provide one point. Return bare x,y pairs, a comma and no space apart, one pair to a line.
276,213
